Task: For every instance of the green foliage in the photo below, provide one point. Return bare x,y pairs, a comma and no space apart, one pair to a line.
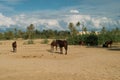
72,35
1,36
72,29
73,40
30,31
96,39
8,35
92,40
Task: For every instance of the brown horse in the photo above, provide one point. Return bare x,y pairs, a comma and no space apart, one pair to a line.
107,44
53,44
14,46
61,44
81,43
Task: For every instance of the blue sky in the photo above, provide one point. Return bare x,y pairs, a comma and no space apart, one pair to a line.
56,14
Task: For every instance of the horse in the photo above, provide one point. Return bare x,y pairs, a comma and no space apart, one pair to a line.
108,43
61,44
14,46
53,44
81,43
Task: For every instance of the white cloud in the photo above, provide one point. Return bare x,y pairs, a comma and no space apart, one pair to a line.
101,21
74,11
58,21
75,18
24,20
6,21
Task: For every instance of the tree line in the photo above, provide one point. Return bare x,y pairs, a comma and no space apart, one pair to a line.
72,35
32,33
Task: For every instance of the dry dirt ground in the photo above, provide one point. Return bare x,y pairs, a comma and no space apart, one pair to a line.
36,62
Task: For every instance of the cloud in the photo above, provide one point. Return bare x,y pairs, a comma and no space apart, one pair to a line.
25,20
74,11
58,21
92,22
74,18
6,21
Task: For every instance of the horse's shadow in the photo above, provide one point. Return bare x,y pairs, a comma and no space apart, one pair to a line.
53,51
114,48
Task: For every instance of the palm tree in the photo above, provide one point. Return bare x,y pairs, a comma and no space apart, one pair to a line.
72,28
85,30
78,24
103,30
30,30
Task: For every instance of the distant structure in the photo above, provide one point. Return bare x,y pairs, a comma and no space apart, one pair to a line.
87,32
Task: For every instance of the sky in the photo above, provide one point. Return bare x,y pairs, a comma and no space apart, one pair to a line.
57,14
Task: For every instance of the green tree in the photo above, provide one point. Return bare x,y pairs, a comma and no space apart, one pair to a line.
1,36
30,30
85,29
103,35
9,35
72,28
103,30
20,34
78,24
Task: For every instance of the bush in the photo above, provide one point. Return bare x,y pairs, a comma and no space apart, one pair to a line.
73,40
92,40
30,42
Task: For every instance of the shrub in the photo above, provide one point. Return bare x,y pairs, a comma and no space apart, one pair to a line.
92,40
30,42
73,40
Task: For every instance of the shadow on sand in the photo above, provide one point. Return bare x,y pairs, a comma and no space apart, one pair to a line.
53,52
114,49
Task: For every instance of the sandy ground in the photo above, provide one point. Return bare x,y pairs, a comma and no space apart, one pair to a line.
36,62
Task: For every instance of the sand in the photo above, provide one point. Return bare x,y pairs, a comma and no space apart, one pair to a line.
36,62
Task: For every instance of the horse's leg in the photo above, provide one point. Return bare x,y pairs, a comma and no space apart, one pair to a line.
56,47
61,50
13,49
52,48
65,50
